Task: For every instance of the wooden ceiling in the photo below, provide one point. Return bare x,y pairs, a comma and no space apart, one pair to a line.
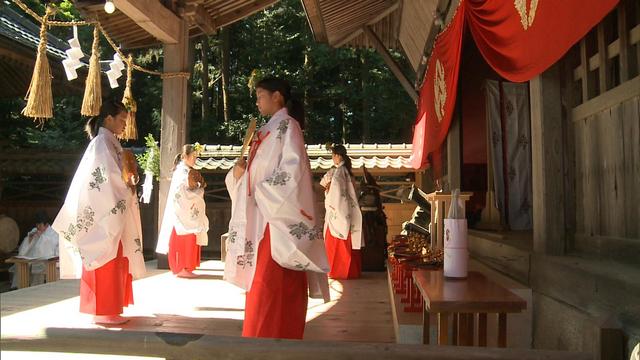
204,16
406,25
400,24
339,23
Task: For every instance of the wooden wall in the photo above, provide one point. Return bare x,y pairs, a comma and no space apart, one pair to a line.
607,165
219,215
602,91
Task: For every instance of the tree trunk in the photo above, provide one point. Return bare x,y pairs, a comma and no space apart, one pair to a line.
364,78
343,107
225,72
343,112
206,104
190,67
219,102
307,103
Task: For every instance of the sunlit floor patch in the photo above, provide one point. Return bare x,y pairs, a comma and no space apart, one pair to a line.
358,311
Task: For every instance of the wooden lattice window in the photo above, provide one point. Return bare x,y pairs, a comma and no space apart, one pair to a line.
608,56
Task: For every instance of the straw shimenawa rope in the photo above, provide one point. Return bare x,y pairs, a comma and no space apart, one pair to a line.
130,131
39,97
39,18
92,101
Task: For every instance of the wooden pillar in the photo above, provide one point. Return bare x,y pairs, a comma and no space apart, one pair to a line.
603,73
175,99
623,35
454,160
547,163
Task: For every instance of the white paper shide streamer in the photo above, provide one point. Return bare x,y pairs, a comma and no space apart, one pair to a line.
72,62
147,186
115,71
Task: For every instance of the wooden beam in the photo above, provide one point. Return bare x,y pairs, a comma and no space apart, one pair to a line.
198,15
393,66
345,39
342,41
613,50
618,94
584,70
242,12
603,76
623,37
152,16
315,19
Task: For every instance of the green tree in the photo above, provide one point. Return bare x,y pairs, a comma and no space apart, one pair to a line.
349,94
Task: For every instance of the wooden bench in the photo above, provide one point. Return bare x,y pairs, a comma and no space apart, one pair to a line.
23,269
463,299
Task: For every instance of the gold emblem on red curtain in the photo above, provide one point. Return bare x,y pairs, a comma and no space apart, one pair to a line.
526,17
439,91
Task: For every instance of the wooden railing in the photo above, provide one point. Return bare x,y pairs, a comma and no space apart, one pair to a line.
195,346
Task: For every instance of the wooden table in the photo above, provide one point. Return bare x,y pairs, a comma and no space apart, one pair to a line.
24,270
462,299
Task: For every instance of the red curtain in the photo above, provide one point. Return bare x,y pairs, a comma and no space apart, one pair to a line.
438,93
520,39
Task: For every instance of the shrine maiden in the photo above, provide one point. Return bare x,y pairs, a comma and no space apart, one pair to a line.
40,243
274,236
343,220
99,223
185,223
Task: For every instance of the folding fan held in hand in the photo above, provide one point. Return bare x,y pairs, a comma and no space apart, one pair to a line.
251,130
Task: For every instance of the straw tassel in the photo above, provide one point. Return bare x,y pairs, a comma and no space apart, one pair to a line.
130,131
39,97
92,101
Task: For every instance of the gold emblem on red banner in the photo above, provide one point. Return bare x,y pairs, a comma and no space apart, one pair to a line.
439,91
526,17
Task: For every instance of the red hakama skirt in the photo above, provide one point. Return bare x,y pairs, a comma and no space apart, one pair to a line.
184,253
107,289
345,262
276,305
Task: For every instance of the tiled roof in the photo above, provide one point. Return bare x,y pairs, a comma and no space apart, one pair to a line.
383,157
19,29
371,156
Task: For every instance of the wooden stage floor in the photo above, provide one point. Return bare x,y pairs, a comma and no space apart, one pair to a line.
359,310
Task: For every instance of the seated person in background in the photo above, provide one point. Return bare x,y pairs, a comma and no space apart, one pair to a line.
40,243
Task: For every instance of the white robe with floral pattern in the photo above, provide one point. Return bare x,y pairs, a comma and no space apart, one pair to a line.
185,210
342,214
277,190
99,212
